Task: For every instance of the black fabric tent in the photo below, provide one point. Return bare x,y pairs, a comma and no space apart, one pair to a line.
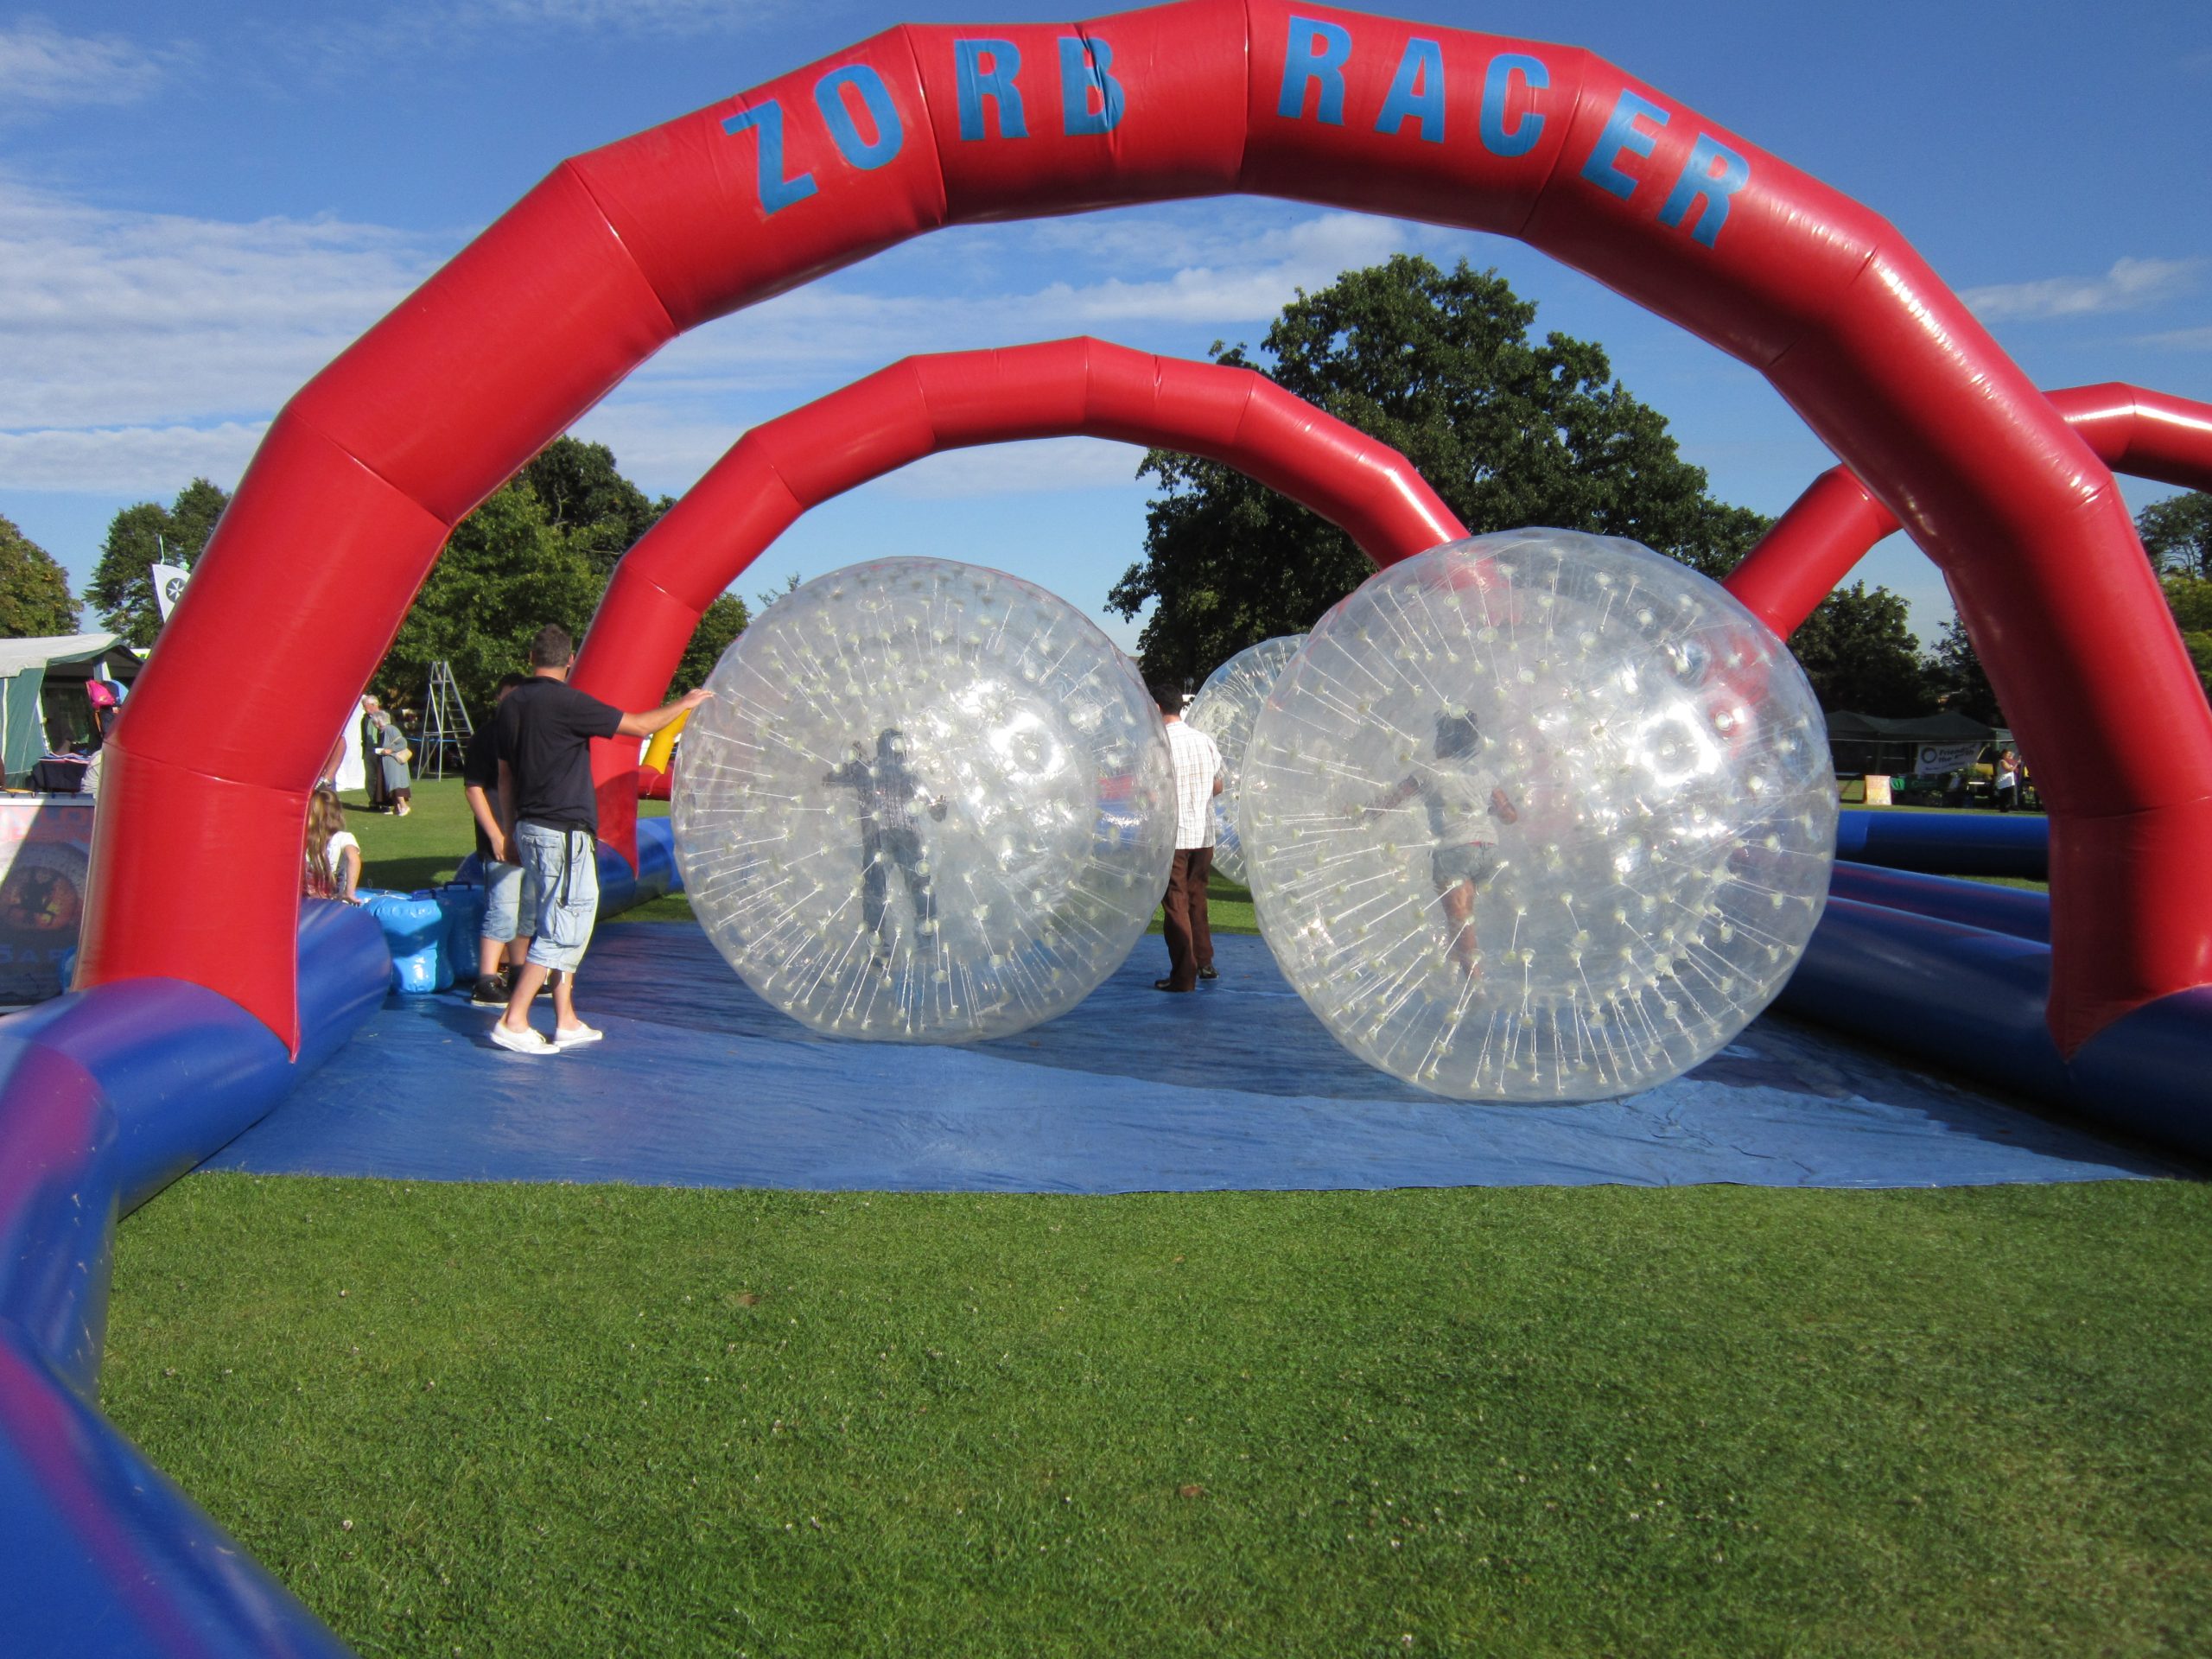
1876,743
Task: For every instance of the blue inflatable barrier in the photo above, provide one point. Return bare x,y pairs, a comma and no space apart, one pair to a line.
2017,911
1947,843
1971,999
106,1096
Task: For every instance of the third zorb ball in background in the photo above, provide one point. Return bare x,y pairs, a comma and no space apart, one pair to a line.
1538,817
1224,709
928,802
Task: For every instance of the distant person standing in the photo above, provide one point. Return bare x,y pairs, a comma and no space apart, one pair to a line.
509,897
2007,789
545,731
1183,911
392,756
372,723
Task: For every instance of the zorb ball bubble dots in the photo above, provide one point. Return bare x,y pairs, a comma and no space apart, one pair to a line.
927,803
1224,709
1539,817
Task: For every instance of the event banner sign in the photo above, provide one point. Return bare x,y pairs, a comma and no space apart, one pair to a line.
1931,758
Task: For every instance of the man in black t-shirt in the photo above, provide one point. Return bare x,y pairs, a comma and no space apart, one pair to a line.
506,901
543,732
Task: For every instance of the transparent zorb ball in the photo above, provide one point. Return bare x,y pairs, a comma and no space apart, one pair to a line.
928,802
1224,709
1539,817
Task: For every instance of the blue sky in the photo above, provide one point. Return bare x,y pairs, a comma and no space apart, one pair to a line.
201,203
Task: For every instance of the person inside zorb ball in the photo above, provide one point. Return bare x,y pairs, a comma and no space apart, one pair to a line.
928,802
1539,816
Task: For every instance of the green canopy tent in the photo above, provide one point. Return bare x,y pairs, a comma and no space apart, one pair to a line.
43,701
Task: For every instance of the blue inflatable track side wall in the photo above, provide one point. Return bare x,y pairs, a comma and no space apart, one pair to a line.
2017,911
1970,998
105,1096
1947,843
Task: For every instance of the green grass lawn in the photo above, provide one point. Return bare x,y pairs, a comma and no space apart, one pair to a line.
551,1420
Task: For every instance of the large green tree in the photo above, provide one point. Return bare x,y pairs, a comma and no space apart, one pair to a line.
724,620
34,597
586,497
518,563
1859,652
138,538
1509,429
2190,598
506,573
1961,684
2177,534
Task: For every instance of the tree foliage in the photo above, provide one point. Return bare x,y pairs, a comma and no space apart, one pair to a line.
2177,534
1859,651
1510,431
1961,684
34,596
724,620
588,499
138,538
505,572
518,563
2190,598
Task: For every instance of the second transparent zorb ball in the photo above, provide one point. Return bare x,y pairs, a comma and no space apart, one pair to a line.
1539,817
1224,709
928,802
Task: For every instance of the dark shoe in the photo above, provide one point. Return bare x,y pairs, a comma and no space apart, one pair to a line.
491,990
1169,985
1208,973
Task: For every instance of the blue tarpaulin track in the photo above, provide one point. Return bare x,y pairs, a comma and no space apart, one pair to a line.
1236,1087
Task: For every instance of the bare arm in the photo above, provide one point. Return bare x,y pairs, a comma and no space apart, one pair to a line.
646,724
488,819
349,878
1503,809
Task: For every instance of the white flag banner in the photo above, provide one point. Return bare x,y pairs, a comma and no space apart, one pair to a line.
168,582
1936,758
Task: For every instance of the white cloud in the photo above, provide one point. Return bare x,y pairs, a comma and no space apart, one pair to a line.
155,462
43,68
126,320
2187,339
673,16
2130,284
145,347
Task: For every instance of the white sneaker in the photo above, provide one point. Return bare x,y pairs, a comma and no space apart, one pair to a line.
531,1041
576,1036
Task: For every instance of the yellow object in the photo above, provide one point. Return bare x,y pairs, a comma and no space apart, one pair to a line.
663,743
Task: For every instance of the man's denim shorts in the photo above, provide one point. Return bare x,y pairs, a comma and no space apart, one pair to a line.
509,894
565,865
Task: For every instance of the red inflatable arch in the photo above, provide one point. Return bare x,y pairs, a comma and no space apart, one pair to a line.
363,473
956,400
1831,527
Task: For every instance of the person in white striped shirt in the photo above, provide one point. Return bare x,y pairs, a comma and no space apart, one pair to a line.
1197,780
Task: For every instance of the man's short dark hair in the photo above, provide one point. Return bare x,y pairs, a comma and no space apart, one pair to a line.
1169,697
552,648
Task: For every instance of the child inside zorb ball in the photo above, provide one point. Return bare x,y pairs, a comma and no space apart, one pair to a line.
1539,816
929,803
1466,807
